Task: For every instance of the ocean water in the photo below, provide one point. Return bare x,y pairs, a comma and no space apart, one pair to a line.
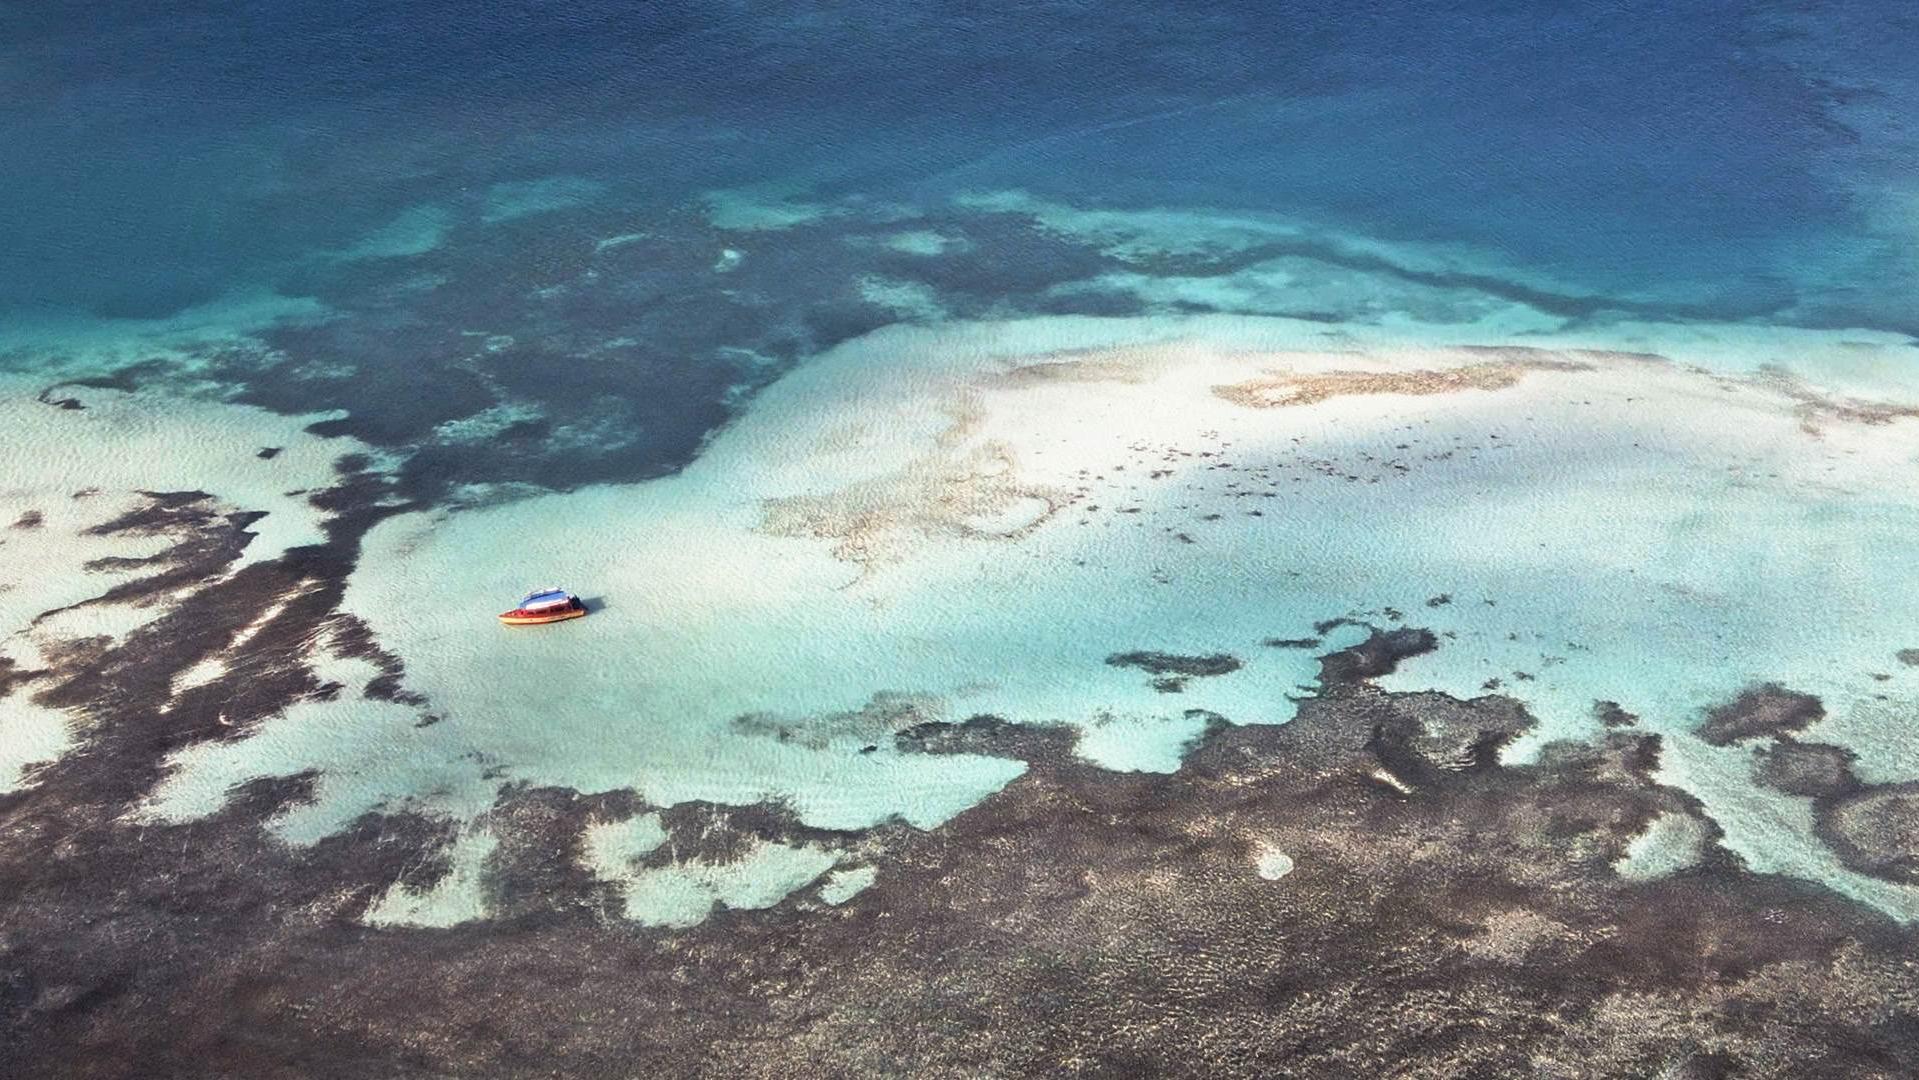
1744,160
833,351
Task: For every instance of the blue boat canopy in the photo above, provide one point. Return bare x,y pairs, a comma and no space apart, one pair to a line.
546,598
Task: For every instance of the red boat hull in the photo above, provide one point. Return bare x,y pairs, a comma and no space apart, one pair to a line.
522,617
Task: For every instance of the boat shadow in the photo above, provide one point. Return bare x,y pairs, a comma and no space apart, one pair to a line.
593,603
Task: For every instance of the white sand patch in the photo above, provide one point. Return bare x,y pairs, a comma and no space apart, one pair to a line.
762,209
1879,730
683,894
1272,863
521,198
458,897
843,885
30,734
122,442
42,569
1670,843
609,848
203,673
414,231
109,622
1772,832
907,299
621,240
1608,527
1138,741
385,748
921,242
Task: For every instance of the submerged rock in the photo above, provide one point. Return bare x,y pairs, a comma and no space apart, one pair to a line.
1767,709
1876,830
1816,770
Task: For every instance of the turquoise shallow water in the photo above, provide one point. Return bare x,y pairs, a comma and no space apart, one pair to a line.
806,347
933,523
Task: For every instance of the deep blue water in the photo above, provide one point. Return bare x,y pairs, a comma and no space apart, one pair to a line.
156,155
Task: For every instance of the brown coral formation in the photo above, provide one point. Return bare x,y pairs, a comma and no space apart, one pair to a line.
1816,409
1761,711
1366,890
1281,388
957,489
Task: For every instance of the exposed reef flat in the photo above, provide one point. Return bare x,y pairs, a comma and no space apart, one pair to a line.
1077,922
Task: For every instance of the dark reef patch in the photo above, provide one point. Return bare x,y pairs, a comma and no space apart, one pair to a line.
1380,654
533,351
1767,709
49,396
1813,770
991,736
883,715
1442,914
1612,715
13,676
1875,830
535,875
564,348
1170,670
126,379
1160,663
1872,828
1292,643
204,536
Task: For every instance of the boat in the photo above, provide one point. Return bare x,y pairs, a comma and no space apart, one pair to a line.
544,606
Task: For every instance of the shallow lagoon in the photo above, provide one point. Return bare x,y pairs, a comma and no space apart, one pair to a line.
1098,522
975,519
